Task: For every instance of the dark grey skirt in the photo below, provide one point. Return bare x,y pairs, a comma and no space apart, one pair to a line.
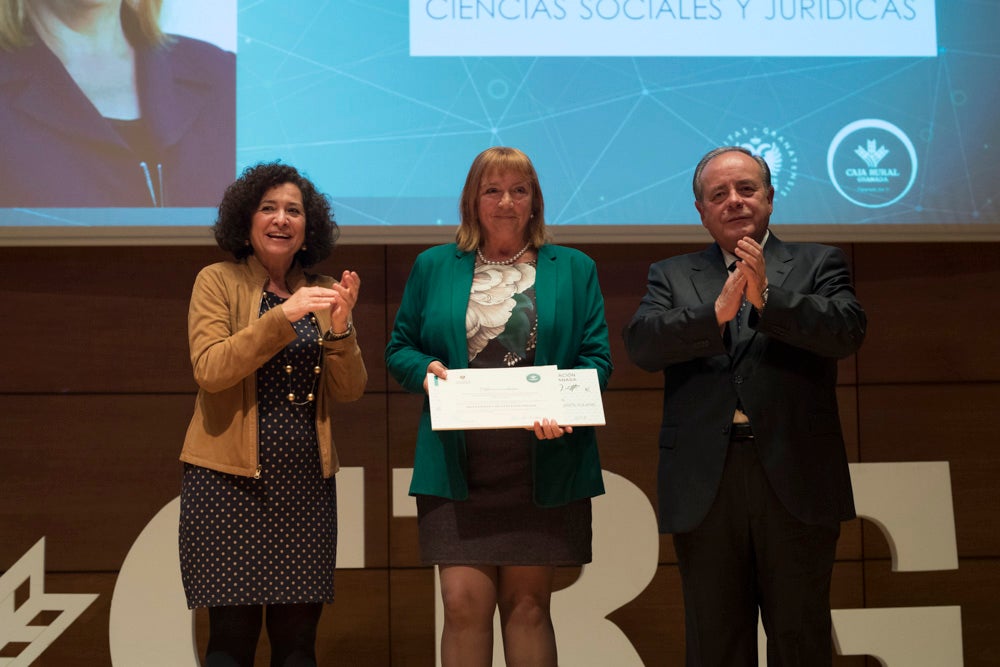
500,524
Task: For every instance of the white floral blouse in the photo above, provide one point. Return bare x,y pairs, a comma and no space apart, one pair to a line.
502,307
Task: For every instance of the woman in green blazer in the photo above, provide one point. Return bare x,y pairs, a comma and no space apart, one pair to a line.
500,509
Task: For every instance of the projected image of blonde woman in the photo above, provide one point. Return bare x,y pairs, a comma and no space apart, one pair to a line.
100,107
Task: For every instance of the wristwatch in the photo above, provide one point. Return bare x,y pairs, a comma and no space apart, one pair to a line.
763,300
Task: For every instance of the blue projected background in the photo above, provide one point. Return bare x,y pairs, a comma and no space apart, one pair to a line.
331,88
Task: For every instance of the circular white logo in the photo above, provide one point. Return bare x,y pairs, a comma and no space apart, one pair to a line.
872,163
777,152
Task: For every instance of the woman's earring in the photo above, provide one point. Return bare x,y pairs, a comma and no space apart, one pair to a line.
303,247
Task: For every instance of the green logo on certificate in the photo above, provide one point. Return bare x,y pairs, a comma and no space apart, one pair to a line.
534,377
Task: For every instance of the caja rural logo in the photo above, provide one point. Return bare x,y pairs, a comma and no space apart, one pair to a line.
872,163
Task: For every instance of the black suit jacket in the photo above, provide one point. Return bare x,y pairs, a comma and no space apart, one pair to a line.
784,374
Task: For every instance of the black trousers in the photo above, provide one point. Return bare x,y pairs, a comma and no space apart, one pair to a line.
750,554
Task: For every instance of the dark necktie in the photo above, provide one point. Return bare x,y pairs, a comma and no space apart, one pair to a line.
737,321
735,331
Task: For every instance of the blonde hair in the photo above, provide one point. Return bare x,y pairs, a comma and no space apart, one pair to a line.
144,14
498,159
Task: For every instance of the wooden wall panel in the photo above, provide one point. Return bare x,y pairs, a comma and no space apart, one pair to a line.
411,617
98,319
404,549
359,431
629,442
932,312
87,473
953,423
355,629
93,424
398,262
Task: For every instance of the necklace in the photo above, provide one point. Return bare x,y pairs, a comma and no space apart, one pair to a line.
503,262
289,369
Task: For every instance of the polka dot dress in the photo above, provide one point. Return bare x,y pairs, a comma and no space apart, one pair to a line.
271,540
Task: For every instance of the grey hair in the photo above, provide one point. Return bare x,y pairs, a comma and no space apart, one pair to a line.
765,171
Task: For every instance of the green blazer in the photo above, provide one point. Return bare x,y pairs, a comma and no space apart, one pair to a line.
572,333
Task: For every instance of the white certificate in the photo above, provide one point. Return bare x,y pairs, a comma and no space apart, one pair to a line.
580,397
474,398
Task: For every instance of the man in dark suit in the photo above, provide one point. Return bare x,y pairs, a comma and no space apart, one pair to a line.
753,476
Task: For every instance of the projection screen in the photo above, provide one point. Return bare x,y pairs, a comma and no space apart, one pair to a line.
878,117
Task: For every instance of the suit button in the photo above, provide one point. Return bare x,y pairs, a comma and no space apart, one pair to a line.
738,379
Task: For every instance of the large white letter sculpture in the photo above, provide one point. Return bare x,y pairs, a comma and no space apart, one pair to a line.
16,620
911,503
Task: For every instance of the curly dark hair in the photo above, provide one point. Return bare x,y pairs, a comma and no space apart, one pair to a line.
242,197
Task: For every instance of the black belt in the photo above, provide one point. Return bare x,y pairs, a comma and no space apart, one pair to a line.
741,432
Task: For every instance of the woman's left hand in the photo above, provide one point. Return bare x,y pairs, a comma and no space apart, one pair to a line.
548,429
347,296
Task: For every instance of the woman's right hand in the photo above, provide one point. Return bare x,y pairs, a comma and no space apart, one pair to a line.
307,300
438,369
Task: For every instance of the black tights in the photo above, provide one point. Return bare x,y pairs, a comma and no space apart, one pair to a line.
291,629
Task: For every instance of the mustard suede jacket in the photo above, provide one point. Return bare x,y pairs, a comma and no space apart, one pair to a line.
229,342
572,333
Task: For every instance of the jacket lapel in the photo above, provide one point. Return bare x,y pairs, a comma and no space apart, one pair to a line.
177,90
708,273
779,261
461,284
547,276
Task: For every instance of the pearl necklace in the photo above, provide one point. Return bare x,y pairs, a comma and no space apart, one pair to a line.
503,262
317,369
